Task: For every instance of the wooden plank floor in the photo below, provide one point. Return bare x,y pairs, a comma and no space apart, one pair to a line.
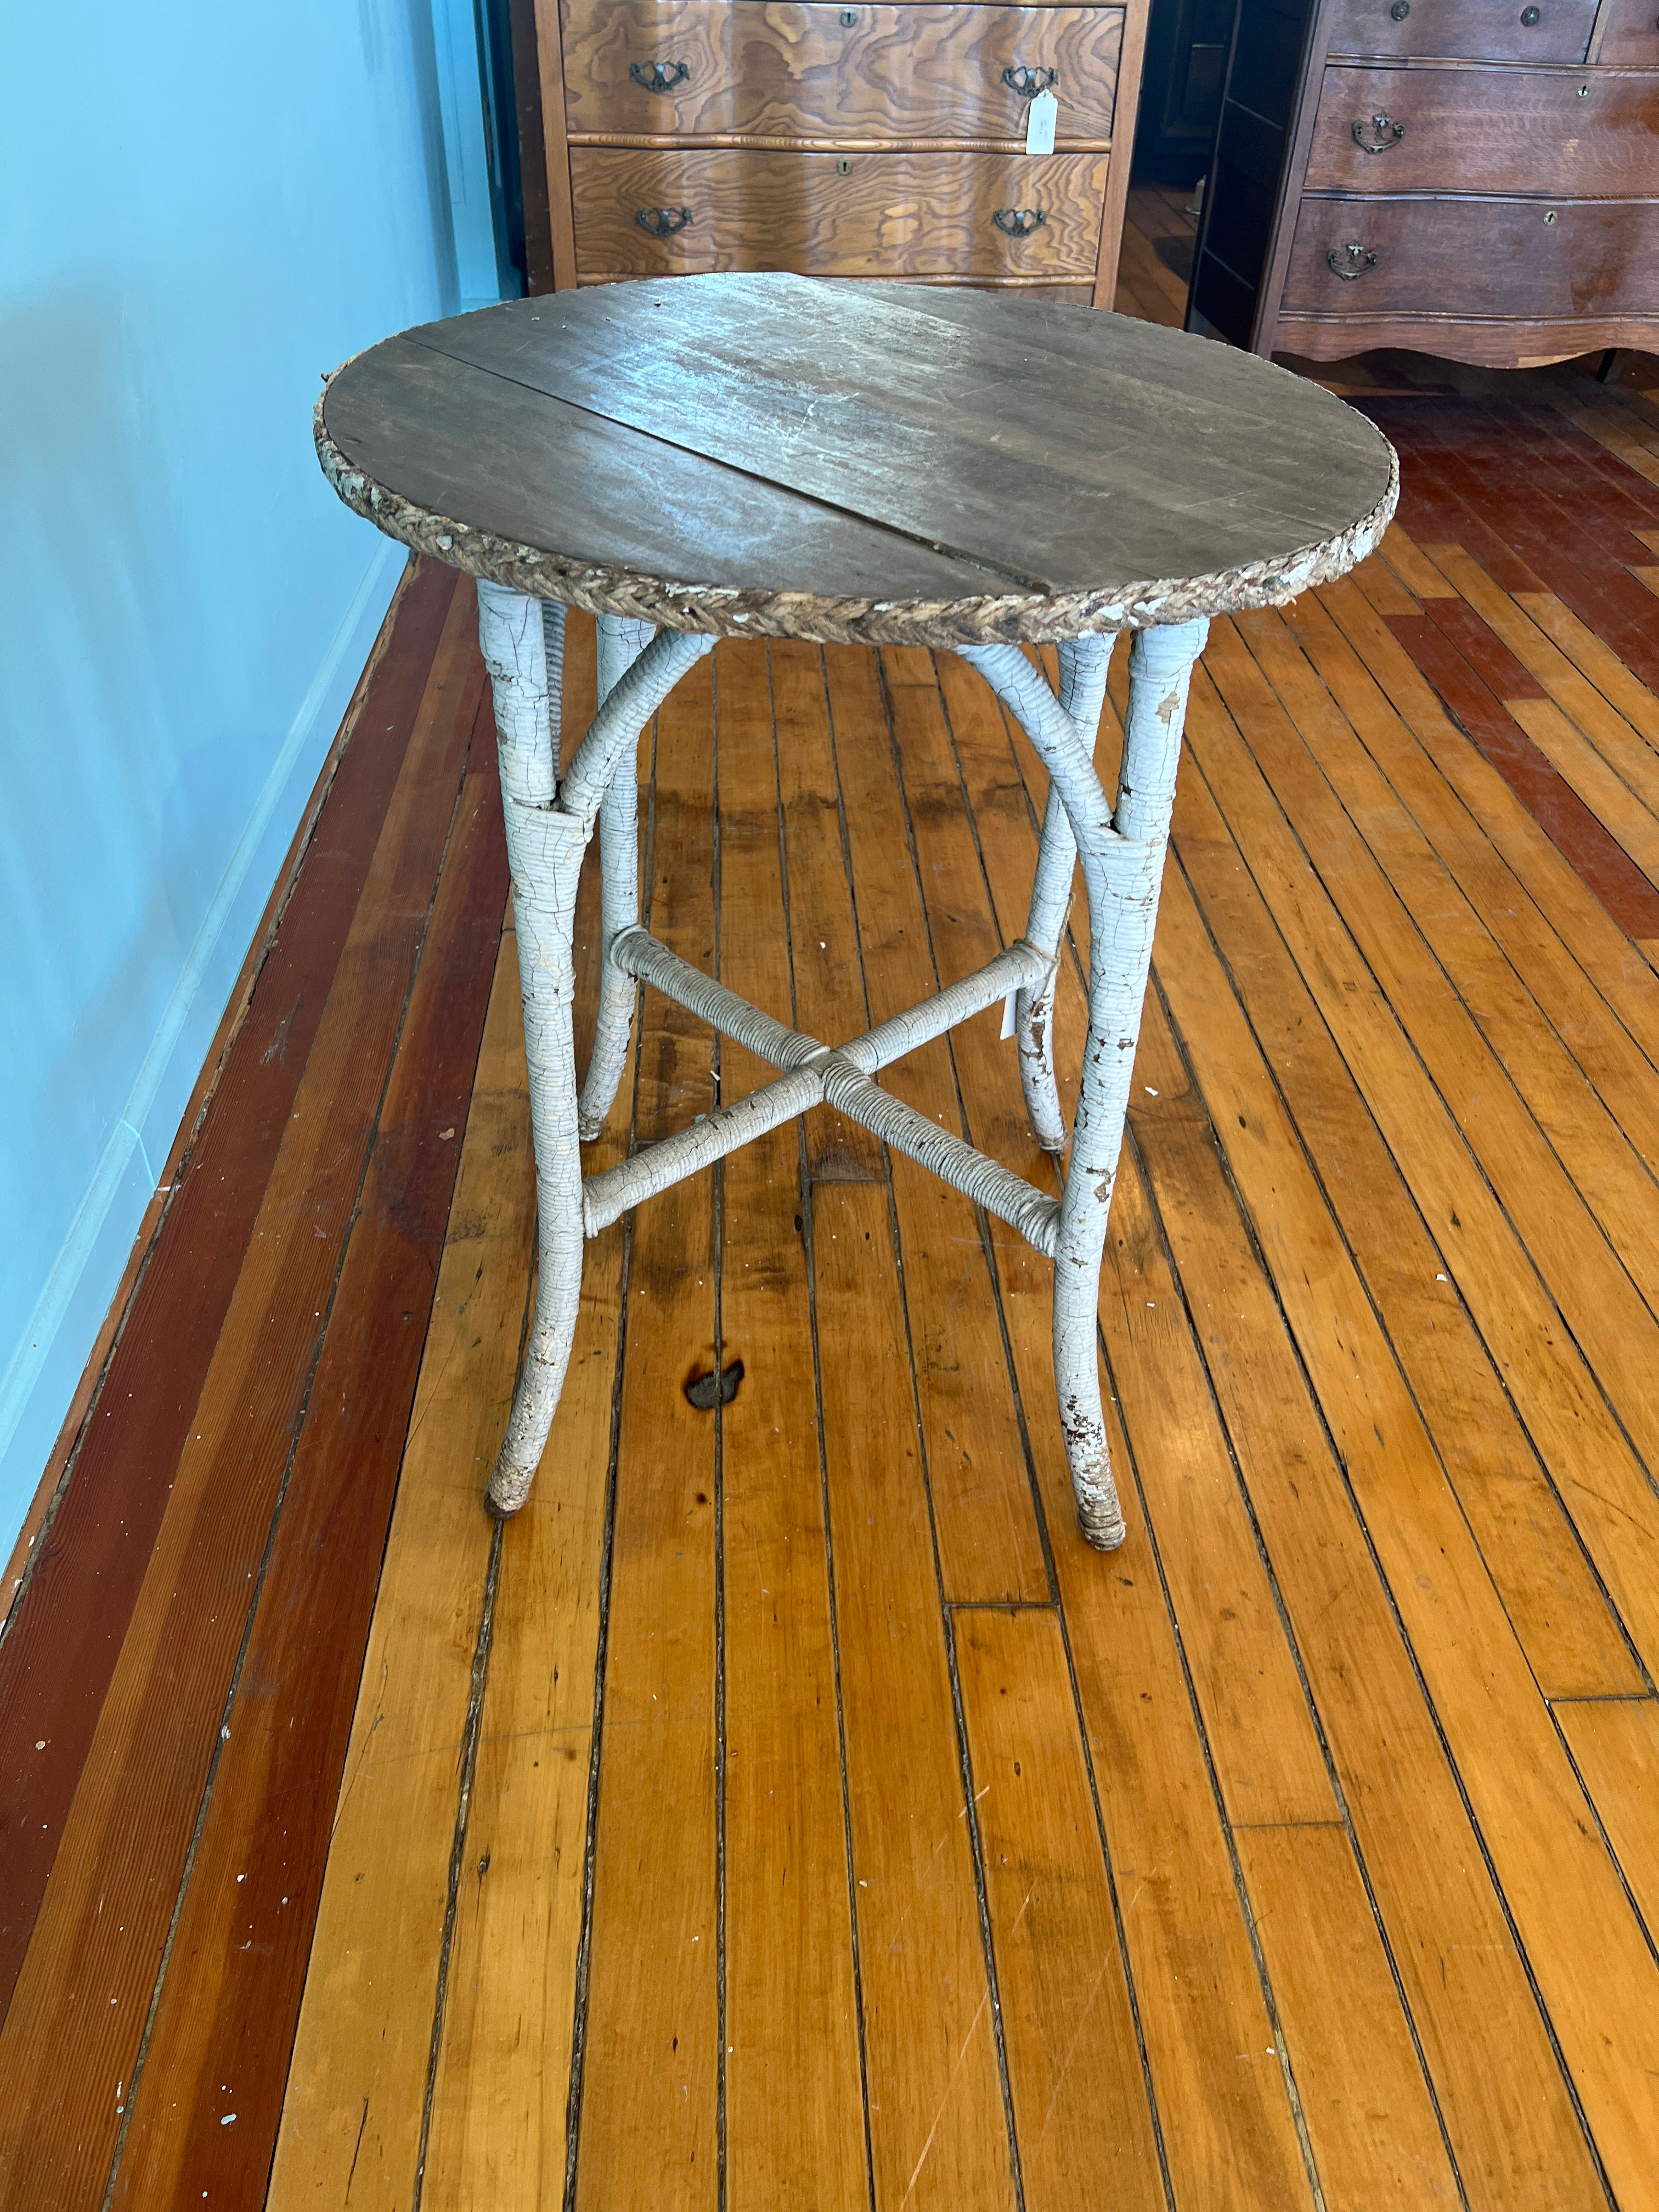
787,1809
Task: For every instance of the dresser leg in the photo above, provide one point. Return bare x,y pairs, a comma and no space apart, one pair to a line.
1121,847
622,641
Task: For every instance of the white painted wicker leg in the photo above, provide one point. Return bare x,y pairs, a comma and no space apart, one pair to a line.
548,822
621,642
544,850
1122,849
1083,665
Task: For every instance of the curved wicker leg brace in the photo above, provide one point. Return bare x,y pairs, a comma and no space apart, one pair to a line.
548,822
622,641
1123,850
1083,665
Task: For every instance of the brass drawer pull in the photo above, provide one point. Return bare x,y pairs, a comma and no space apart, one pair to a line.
1350,261
1384,132
1028,82
662,223
659,76
1018,222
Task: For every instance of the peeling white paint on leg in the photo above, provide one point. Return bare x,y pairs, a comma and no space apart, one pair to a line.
548,822
621,642
1122,848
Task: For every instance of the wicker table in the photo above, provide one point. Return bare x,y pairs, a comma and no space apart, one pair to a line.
756,456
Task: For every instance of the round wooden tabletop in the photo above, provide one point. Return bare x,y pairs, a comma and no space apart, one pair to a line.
896,463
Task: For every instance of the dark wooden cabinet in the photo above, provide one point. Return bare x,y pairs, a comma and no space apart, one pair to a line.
1478,178
1180,88
886,140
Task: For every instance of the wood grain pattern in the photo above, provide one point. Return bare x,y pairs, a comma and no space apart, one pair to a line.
1532,131
794,2104
868,214
1625,695
1529,1545
548,100
1233,2133
72,1431
1564,1412
489,414
1614,1742
792,69
1580,765
1600,860
1370,2119
1366,1737
1567,1092
351,2119
1074,2058
649,2088
1217,2077
938,2135
1456,1206
1522,342
63,1641
103,1926
231,1994
1243,1667
1449,1605
500,2073
1627,35
825,973
1447,28
560,467
1423,1863
1602,949
1463,258
1124,122
501,2081
989,1544
917,371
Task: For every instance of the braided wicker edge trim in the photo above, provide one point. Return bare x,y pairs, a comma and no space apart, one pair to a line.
722,611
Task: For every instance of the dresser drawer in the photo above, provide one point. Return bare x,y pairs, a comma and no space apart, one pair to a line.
1594,135
1467,258
761,68
1629,34
1458,30
647,211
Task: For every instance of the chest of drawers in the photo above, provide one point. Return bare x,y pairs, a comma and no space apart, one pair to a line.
850,140
1478,178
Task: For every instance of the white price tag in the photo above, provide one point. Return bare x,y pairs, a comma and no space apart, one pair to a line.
1040,118
1008,1015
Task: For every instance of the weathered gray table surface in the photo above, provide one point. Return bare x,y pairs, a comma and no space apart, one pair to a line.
769,455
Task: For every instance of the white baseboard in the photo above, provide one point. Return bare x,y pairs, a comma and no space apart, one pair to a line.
45,1366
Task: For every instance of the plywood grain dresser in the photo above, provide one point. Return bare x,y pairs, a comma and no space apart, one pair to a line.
1478,178
854,141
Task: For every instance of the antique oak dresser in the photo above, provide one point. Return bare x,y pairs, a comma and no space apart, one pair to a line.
1478,178
900,140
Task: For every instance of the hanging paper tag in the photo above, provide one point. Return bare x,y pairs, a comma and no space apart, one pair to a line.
1008,1015
1040,117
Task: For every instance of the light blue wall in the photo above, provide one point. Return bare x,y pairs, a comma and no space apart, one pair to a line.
202,207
